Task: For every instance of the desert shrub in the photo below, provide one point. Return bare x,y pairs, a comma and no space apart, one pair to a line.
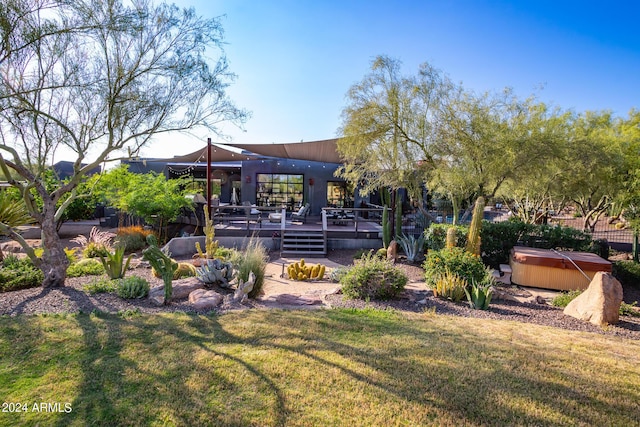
457,261
253,258
133,238
85,267
436,236
362,252
337,273
16,274
373,278
225,254
629,309
132,287
102,285
564,298
95,250
627,272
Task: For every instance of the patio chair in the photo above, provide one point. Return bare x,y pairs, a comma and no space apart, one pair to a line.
302,213
252,213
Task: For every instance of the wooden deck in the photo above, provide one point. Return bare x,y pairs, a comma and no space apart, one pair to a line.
359,229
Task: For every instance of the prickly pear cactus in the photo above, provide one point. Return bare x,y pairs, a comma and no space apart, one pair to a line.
302,271
216,272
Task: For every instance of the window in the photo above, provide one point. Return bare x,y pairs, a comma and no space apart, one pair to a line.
337,196
279,190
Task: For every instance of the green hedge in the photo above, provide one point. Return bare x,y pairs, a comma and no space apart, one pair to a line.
627,272
499,237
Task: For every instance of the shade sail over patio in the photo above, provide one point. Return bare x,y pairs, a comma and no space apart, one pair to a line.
218,154
318,151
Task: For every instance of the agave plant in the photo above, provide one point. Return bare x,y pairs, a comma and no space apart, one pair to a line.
114,264
479,296
413,247
217,272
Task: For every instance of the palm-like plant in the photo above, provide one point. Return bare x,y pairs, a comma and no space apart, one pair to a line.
12,214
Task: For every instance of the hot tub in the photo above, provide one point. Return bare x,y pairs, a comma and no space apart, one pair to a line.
544,268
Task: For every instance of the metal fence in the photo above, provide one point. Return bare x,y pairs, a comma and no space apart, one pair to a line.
618,238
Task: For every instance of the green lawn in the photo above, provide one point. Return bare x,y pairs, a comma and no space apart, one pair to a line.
306,368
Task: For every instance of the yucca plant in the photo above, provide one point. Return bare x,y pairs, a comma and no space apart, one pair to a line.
449,286
114,265
413,247
479,296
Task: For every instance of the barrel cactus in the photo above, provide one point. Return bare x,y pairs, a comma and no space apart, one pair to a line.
302,271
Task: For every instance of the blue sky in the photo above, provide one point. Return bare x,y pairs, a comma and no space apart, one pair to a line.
295,60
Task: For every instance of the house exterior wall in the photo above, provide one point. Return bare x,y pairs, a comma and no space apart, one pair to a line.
315,174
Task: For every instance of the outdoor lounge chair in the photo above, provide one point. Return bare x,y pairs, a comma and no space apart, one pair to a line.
252,213
302,213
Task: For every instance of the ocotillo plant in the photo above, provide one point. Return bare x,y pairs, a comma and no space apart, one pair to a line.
473,240
162,264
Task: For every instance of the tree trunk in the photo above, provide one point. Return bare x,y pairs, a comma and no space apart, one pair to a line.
54,261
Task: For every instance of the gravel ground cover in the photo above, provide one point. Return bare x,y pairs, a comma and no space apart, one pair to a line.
72,298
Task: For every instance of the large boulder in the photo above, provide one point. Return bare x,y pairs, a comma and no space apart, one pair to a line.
205,300
600,302
181,290
183,287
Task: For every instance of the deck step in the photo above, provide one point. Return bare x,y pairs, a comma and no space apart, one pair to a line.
504,275
304,243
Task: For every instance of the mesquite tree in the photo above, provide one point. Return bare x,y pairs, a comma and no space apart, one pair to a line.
99,78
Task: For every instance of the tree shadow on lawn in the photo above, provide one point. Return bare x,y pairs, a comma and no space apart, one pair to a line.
151,383
477,391
133,370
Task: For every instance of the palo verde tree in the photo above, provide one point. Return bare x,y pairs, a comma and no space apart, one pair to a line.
593,168
389,126
488,140
99,78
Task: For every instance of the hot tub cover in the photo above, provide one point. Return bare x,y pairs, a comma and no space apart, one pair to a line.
548,258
